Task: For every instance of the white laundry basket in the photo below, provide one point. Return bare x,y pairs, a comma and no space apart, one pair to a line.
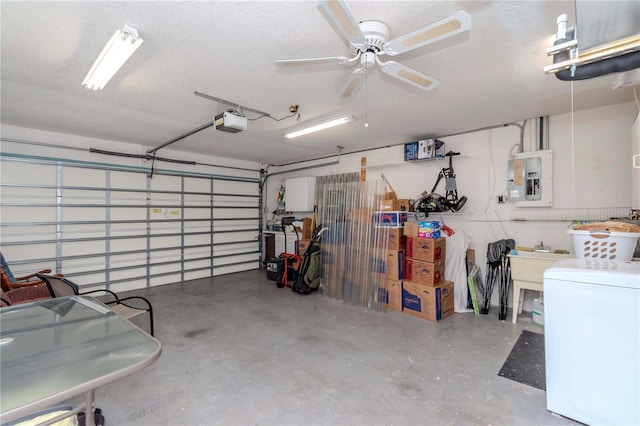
604,244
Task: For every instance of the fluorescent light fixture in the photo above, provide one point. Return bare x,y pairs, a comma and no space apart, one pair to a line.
343,119
121,46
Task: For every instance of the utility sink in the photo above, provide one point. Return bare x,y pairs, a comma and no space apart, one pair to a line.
530,265
527,273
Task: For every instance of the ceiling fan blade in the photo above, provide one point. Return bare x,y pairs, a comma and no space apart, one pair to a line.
342,18
408,75
335,60
353,83
446,27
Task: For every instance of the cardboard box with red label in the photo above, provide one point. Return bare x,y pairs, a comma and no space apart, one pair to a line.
391,219
427,249
426,273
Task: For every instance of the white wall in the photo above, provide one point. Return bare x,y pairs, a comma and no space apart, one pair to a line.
591,177
79,151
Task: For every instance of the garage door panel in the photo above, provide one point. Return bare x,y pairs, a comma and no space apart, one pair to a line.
28,173
100,222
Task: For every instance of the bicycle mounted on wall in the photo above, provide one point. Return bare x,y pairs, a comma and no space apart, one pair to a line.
433,202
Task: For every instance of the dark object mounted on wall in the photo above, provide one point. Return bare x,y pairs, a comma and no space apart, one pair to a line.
432,202
605,40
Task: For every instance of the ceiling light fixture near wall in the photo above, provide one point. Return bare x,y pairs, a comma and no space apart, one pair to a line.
116,52
343,119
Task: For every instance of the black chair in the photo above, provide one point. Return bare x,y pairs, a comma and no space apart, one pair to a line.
59,286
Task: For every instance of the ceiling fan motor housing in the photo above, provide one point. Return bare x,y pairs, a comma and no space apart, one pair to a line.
376,34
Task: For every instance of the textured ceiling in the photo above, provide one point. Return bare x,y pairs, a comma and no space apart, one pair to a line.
491,75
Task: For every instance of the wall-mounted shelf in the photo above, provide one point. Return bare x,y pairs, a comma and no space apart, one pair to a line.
424,149
417,160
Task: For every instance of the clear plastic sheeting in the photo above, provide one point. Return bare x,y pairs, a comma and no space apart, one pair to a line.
354,249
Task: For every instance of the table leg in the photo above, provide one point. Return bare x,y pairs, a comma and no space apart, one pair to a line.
89,407
516,302
521,302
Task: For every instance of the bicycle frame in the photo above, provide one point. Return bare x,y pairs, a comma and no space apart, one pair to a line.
434,202
451,194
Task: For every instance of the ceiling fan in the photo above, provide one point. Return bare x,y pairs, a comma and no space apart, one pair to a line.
369,40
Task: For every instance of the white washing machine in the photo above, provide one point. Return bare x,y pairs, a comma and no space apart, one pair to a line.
592,340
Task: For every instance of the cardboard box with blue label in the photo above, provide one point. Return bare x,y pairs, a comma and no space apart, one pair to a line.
339,232
390,219
390,294
390,263
431,303
333,254
394,264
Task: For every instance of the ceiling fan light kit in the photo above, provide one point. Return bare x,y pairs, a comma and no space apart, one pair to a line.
115,53
368,40
316,127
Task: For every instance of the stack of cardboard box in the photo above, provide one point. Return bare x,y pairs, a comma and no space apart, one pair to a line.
392,214
425,293
425,260
391,290
413,266
418,286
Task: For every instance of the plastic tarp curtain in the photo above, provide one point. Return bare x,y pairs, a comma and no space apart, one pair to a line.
456,268
353,248
322,194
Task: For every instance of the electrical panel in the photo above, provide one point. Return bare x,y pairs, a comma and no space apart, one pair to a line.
529,179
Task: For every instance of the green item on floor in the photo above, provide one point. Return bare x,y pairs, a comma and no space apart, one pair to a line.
471,281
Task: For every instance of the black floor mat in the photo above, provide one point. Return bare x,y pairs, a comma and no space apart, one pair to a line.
525,363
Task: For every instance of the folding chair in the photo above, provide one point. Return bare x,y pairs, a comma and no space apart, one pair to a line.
59,286
9,281
24,295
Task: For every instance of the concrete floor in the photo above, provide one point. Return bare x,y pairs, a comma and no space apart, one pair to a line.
237,350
